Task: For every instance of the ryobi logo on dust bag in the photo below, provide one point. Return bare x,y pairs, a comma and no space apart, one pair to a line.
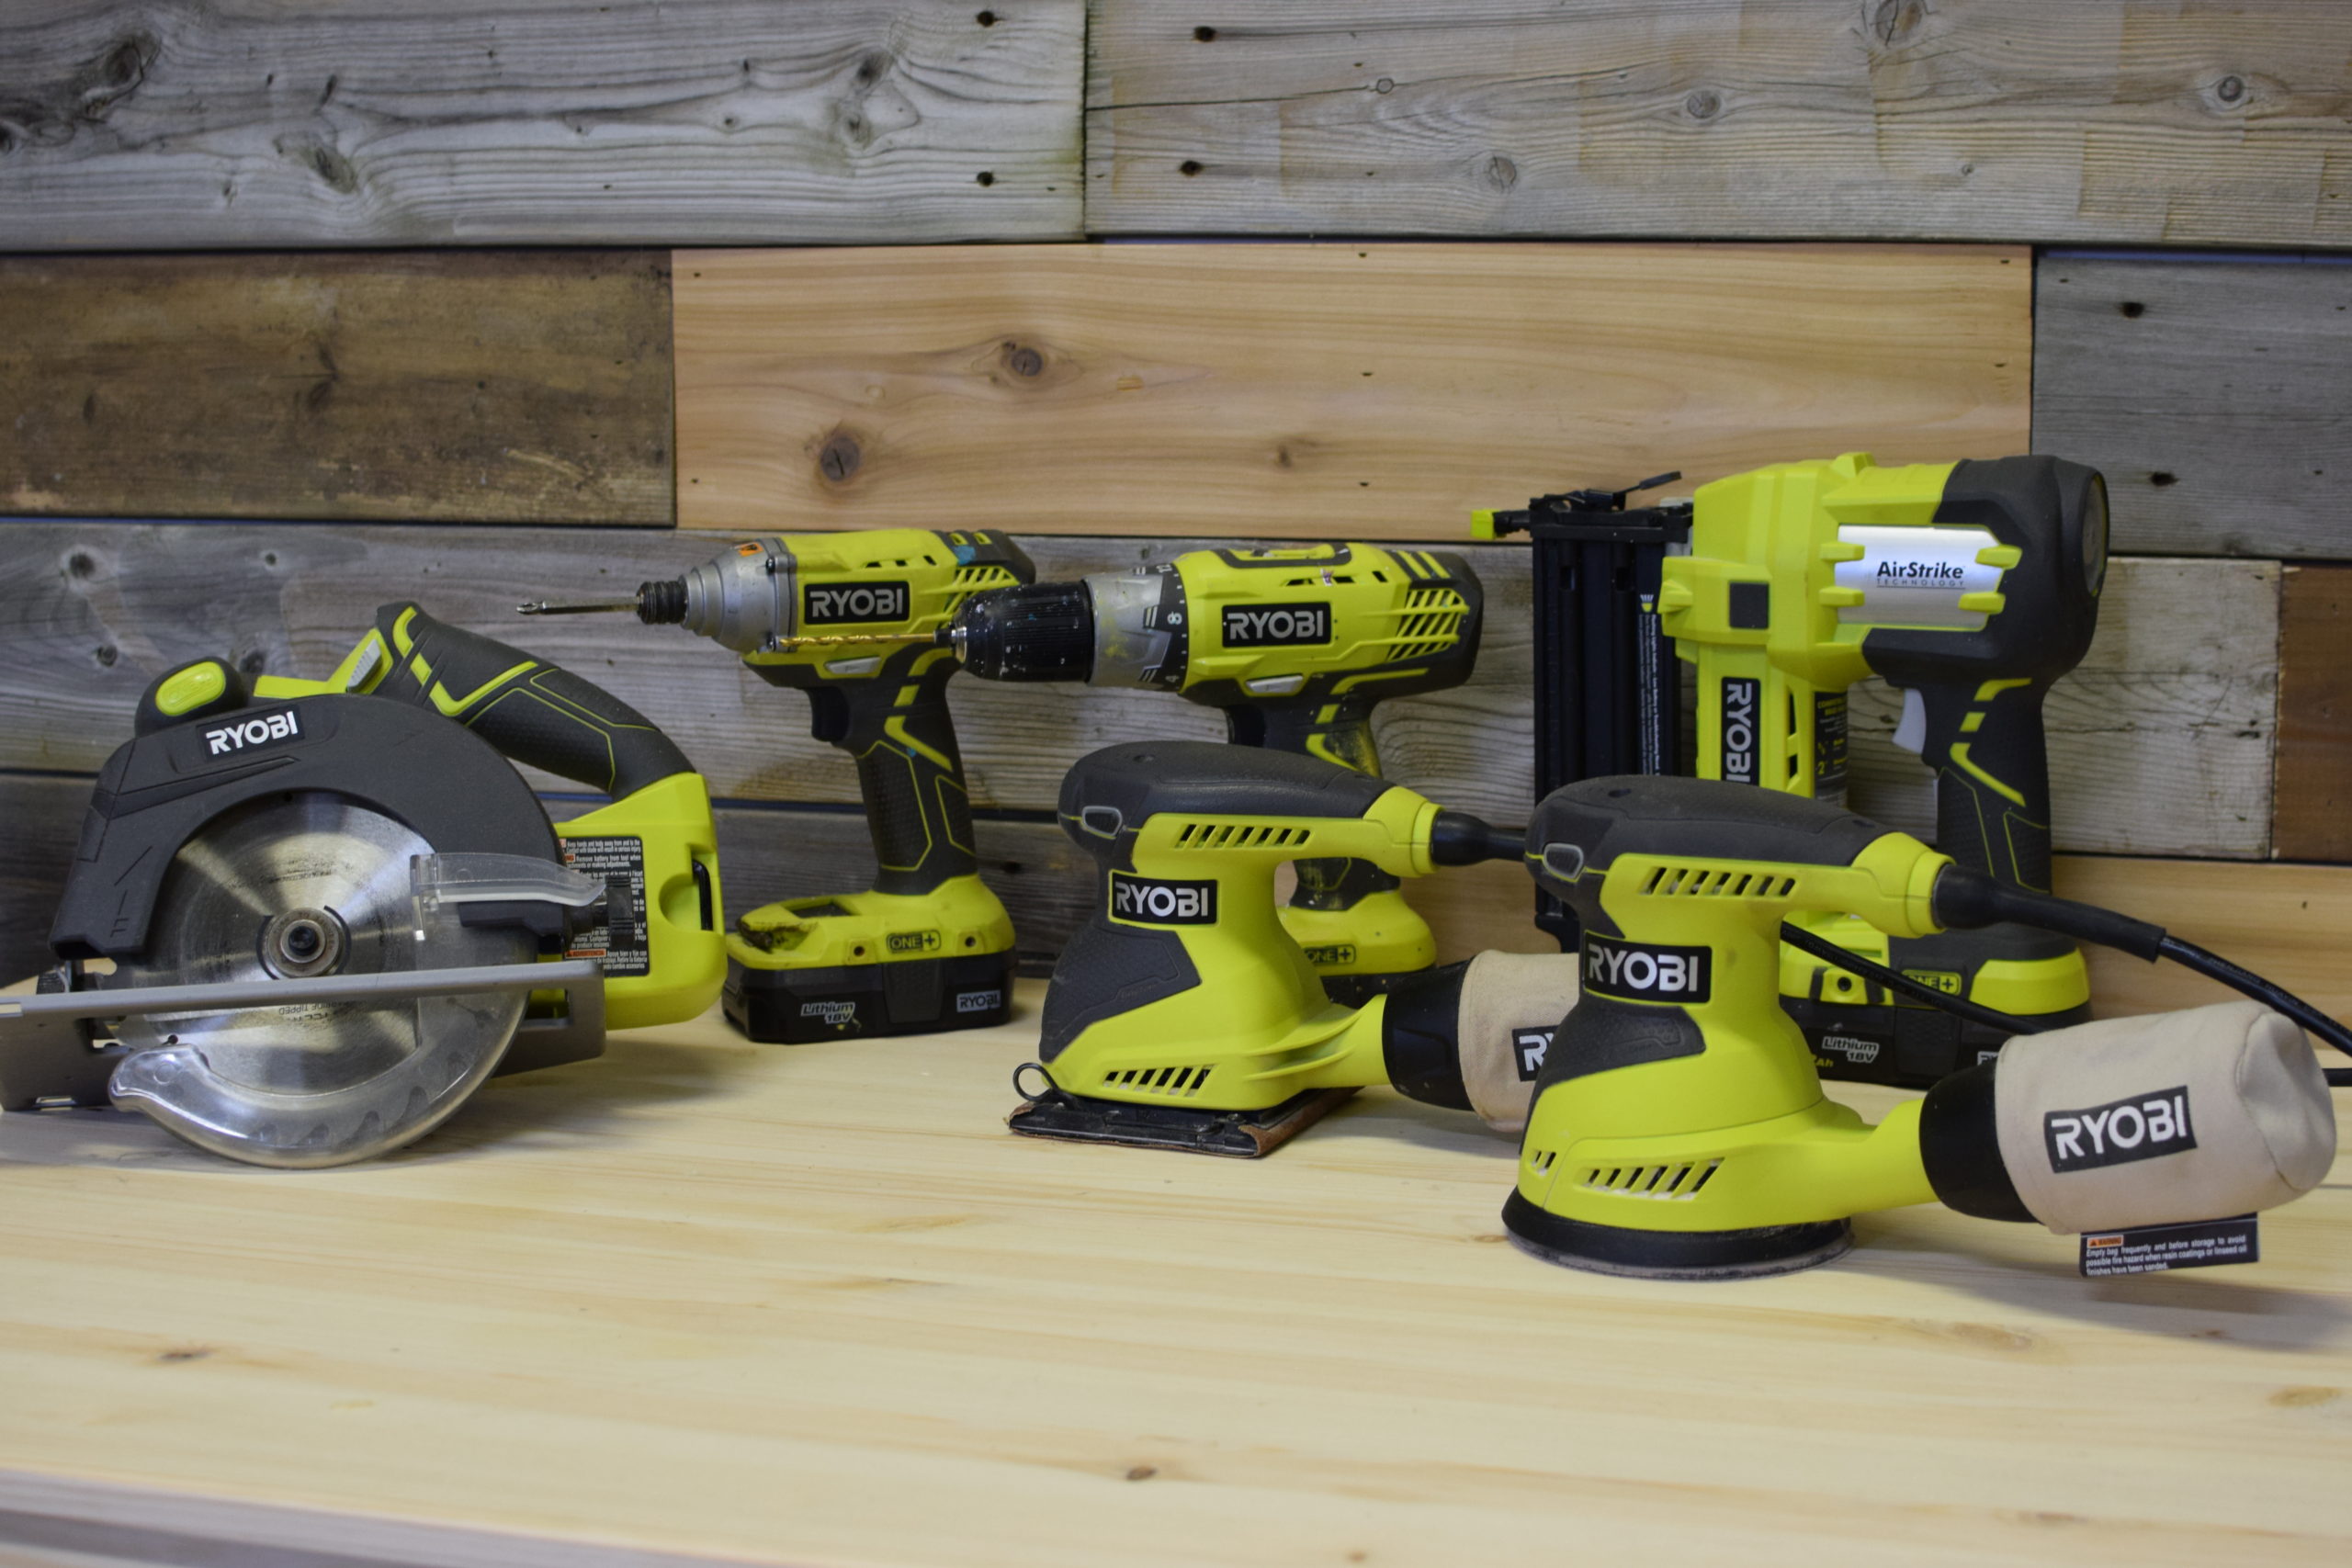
1740,696
2142,1127
1276,626
823,605
1642,972
1153,902
259,732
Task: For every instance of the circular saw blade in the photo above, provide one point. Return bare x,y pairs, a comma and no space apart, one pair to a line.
288,855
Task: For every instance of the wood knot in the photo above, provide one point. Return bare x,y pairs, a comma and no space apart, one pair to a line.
2132,308
106,655
79,564
1501,173
840,457
1892,19
186,1353
1023,360
2229,89
1204,35
1189,167
985,19
1142,1472
1703,105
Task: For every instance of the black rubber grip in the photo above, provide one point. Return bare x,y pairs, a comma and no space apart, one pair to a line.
533,712
1992,779
909,768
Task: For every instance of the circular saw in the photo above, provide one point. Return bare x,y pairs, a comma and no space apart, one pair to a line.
307,918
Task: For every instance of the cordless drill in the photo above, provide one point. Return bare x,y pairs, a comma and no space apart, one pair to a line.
1296,646
1182,1015
852,618
1678,1128
1971,586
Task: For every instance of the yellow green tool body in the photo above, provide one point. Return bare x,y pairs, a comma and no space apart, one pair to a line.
1971,586
1679,1098
1185,995
853,619
1296,646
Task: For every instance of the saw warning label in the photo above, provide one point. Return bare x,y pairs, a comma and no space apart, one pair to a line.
619,945
2153,1249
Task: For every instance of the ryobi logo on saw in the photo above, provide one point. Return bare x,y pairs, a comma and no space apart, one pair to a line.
2142,1127
1276,626
1150,901
1639,972
1740,696
252,732
854,602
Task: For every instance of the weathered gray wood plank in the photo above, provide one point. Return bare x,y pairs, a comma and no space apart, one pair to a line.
186,123
1998,119
2161,743
466,386
2211,392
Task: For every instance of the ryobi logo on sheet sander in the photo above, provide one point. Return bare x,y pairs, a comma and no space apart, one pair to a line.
1152,901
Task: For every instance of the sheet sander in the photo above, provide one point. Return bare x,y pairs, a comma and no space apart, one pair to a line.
307,919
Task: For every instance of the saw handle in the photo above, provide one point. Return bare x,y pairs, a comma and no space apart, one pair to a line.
533,712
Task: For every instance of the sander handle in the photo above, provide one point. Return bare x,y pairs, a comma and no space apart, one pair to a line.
532,711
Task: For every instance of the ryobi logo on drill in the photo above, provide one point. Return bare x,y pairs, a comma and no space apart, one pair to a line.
2142,1127
1150,901
1640,972
1276,626
252,732
1740,696
821,605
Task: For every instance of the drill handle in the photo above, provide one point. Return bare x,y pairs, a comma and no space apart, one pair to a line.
896,725
533,712
1336,731
1985,741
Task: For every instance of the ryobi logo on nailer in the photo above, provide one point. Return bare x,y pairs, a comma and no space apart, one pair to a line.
1739,729
252,732
823,605
1276,626
1149,900
1642,972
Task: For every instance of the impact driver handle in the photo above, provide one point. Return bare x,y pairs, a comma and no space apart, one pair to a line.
1986,742
909,769
530,710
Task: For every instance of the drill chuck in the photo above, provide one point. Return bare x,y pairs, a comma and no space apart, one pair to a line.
662,604
1039,631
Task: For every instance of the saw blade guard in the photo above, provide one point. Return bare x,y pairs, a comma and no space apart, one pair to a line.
325,1084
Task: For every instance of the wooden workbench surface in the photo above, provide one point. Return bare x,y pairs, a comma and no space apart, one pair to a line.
813,1305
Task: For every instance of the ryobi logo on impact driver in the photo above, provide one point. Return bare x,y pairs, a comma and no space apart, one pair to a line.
1152,902
252,732
1639,972
2142,1127
1739,729
1276,626
854,602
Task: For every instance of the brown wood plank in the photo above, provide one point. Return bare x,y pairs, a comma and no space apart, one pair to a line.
2313,805
514,385
1333,392
2161,741
469,123
1999,120
2210,391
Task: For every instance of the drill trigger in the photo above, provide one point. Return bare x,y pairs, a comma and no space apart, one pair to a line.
828,715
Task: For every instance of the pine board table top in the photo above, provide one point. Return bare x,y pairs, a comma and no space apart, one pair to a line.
704,1300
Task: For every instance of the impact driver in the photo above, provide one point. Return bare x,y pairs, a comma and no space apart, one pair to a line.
1296,646
851,619
1972,587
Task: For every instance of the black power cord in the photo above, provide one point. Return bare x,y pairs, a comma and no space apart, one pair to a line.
1967,899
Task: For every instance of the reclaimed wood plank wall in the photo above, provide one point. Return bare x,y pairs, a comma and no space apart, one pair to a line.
308,306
